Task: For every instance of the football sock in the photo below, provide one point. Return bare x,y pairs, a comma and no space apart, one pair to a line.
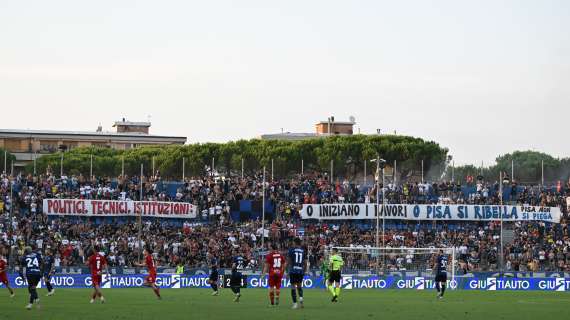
272,297
300,292
294,295
214,286
277,294
331,289
48,286
156,291
442,289
437,287
33,295
337,292
94,295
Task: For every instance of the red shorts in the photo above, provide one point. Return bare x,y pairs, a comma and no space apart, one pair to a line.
151,278
3,278
96,280
275,280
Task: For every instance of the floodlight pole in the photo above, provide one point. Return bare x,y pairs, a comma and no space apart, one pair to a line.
140,214
365,172
11,213
501,254
377,177
263,212
383,217
183,169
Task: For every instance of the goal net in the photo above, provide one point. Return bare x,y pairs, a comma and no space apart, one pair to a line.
410,261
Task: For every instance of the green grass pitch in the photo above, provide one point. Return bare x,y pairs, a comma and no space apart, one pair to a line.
353,305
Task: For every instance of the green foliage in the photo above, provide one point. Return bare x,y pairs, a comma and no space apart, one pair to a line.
7,158
527,168
347,152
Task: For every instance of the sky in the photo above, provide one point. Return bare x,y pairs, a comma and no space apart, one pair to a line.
481,78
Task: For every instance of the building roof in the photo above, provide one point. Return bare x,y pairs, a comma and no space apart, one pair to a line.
289,136
131,124
338,123
90,134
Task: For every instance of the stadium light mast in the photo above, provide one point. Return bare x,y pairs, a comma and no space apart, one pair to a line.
364,172
11,213
501,254
35,162
380,164
140,214
422,170
263,212
377,201
512,169
332,169
542,173
183,169
395,172
61,165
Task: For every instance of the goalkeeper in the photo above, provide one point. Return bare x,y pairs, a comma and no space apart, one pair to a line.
325,272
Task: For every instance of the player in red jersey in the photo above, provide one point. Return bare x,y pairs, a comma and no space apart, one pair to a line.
97,263
4,275
275,264
150,280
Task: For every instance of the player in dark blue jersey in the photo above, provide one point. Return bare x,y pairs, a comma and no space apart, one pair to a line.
48,271
214,278
298,264
441,273
32,271
236,277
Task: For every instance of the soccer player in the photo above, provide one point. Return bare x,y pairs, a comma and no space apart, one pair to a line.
298,263
275,264
150,280
325,272
4,276
441,274
335,266
236,277
97,263
48,270
32,269
214,278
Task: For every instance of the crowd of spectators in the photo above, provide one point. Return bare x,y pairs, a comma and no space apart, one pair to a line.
535,246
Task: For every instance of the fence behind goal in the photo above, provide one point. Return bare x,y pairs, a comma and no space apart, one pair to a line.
377,260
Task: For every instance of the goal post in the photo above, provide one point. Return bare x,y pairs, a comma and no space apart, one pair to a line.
383,260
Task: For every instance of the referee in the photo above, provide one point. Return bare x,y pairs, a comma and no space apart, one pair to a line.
335,266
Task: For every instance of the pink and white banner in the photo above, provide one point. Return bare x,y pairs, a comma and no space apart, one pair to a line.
113,208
